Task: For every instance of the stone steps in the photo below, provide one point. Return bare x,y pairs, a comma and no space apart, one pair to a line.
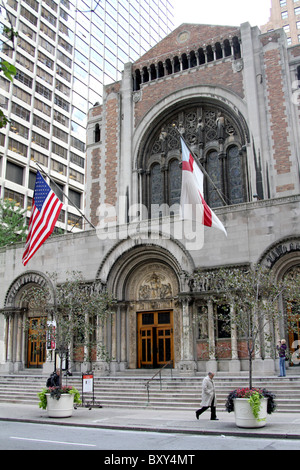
131,392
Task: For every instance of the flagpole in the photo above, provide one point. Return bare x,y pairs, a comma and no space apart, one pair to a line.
52,181
201,167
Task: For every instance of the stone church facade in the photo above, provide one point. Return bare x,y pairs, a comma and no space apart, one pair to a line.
232,93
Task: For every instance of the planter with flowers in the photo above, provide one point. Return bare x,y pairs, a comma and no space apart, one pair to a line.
251,406
59,401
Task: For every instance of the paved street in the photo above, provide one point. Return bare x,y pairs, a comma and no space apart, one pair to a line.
31,436
142,433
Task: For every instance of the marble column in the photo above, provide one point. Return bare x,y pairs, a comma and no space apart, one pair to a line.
211,365
234,363
187,363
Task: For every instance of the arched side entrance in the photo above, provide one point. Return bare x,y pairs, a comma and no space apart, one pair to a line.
147,328
284,259
21,351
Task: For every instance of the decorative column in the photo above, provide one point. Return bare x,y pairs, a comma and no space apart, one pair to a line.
268,363
187,364
211,365
113,321
214,50
18,358
180,63
122,337
10,340
234,364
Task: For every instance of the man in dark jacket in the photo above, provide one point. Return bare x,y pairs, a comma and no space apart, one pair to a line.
281,348
53,380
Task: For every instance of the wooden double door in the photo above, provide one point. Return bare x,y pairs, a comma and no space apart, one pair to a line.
36,345
155,339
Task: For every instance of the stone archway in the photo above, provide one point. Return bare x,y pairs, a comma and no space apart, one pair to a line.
20,353
154,315
146,278
283,258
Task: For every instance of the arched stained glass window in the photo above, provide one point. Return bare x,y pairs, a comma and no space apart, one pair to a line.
217,137
174,182
156,183
235,176
214,169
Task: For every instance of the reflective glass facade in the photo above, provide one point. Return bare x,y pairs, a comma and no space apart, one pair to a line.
64,53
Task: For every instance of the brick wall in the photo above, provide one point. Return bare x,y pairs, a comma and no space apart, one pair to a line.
95,186
277,111
93,167
111,145
198,35
218,73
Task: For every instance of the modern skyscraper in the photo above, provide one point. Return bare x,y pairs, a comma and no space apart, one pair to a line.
285,14
64,53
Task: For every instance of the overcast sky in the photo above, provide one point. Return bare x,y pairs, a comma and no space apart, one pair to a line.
222,12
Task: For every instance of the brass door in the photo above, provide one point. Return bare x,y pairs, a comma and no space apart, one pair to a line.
155,339
36,345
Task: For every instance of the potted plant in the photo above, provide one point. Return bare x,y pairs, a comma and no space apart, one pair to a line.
250,406
59,401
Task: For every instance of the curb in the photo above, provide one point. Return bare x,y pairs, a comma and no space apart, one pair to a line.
140,428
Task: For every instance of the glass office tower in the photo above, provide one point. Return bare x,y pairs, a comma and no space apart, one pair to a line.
65,51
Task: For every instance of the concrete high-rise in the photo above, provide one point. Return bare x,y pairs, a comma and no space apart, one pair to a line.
285,14
65,52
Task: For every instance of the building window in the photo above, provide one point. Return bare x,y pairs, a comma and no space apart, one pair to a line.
44,91
23,78
17,147
14,196
59,167
14,173
59,150
216,138
41,123
40,140
75,197
61,103
174,182
21,94
223,321
19,129
97,133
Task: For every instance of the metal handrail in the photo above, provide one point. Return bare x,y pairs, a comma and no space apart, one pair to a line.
156,373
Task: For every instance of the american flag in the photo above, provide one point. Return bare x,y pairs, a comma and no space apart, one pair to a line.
45,211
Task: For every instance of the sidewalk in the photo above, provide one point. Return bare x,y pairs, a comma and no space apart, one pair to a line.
279,425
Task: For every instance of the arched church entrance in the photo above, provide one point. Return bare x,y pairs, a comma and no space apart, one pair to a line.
146,280
154,316
284,259
152,289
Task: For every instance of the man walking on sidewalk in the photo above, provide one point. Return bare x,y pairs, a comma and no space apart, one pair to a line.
208,397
